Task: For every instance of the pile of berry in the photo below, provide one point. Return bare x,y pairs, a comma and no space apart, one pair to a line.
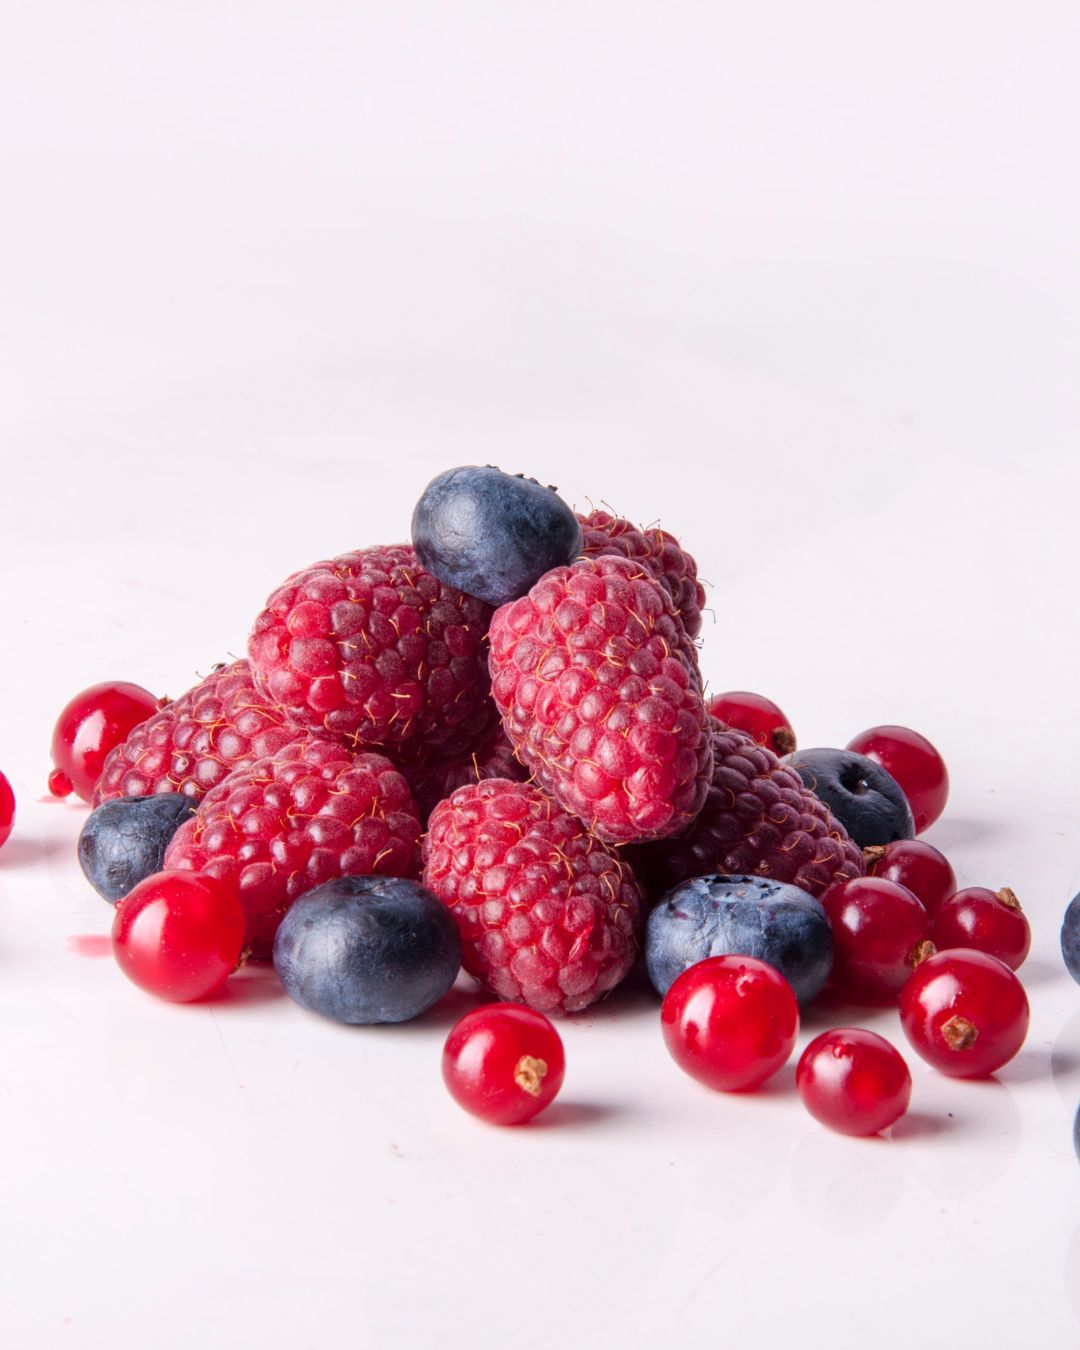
491,748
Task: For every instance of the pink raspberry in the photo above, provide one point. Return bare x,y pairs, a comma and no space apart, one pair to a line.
759,820
655,549
372,650
600,695
548,914
197,740
280,826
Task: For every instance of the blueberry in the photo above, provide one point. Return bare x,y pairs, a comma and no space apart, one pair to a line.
124,840
1070,938
367,949
492,534
866,800
740,916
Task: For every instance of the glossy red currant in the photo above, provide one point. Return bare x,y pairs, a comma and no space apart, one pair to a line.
178,935
88,728
504,1063
880,933
923,869
966,1013
914,763
853,1081
988,921
7,810
730,1022
757,716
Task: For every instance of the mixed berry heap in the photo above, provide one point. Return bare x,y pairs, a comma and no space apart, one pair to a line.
524,683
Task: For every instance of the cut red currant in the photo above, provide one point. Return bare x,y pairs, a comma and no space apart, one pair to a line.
88,728
880,933
504,1063
7,810
966,1013
730,1022
914,763
178,935
923,869
987,921
757,716
853,1081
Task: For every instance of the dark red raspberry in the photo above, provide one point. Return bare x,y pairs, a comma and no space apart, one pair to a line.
371,649
197,740
548,914
600,695
657,550
280,826
758,820
432,781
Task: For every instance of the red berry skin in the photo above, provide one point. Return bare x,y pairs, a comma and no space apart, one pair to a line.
757,716
965,1013
923,869
853,1081
730,1022
178,935
7,810
915,764
880,933
504,1063
95,721
986,921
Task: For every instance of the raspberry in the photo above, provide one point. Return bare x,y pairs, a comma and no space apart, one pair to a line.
548,914
655,549
280,826
758,819
196,741
600,695
371,650
432,781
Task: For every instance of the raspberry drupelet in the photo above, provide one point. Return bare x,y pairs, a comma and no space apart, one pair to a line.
432,781
660,552
758,819
600,696
548,914
197,740
282,825
370,649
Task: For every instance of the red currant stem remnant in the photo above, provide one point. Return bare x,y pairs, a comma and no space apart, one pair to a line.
873,853
60,784
920,952
783,741
959,1034
1008,898
529,1074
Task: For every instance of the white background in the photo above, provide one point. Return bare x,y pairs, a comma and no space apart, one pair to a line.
798,280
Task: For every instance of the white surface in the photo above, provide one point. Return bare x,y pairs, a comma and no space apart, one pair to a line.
799,280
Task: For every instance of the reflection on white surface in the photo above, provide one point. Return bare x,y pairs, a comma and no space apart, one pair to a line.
846,1186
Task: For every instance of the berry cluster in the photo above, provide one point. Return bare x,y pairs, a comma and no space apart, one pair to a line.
490,747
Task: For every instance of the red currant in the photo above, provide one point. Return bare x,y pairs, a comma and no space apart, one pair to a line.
757,716
880,933
504,1063
179,935
853,1081
966,1013
7,810
919,866
914,763
987,921
95,721
730,1022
